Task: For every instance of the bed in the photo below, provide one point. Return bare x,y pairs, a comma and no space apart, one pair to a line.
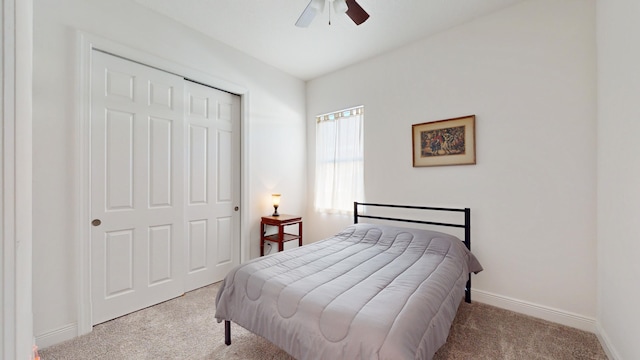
372,291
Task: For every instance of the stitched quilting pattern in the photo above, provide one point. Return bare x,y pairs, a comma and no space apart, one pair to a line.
369,292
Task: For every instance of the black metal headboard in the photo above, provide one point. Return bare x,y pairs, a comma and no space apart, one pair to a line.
466,225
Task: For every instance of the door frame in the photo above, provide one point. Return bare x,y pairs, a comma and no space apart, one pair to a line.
87,43
16,67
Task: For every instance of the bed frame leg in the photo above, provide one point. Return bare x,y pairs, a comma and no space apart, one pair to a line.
467,291
227,332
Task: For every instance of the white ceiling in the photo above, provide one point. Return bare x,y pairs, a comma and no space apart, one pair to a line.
265,29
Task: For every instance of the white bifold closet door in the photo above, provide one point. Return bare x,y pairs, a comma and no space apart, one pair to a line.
164,175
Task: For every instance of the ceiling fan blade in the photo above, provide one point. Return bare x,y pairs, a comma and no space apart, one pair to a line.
313,8
356,12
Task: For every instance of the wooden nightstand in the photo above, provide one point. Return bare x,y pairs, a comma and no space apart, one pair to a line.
281,237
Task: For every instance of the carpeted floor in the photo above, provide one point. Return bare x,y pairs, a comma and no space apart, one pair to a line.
184,328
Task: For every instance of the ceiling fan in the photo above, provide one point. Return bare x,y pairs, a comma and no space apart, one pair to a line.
349,7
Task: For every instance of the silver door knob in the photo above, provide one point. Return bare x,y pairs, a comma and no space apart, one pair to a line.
96,222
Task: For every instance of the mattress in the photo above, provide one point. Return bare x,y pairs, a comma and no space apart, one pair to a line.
369,292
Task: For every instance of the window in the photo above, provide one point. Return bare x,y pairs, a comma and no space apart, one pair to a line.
339,160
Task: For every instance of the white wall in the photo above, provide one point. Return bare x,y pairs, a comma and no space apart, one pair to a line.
529,75
618,176
275,133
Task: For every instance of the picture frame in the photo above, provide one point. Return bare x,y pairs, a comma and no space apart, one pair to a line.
445,142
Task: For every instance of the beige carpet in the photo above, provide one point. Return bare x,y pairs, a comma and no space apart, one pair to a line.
184,328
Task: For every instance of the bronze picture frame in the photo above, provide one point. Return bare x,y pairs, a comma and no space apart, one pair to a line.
445,142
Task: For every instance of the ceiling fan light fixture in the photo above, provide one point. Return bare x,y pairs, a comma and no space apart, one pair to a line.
318,5
340,6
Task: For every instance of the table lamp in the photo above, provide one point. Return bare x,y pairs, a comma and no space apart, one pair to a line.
276,203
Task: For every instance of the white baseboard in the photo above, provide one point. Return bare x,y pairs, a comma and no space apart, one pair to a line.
535,310
612,354
57,336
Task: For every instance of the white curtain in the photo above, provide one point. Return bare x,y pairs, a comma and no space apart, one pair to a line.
339,161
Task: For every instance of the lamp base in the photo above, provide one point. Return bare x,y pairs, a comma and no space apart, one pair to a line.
275,211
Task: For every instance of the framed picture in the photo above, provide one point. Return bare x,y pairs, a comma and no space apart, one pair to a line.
445,142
